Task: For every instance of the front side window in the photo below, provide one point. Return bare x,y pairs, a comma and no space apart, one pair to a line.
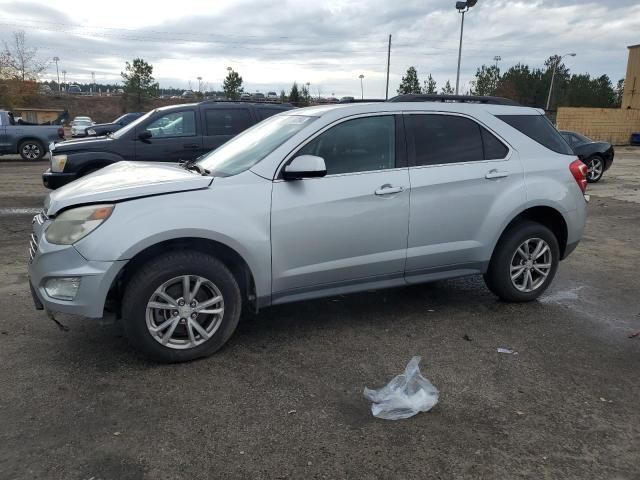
175,124
358,145
438,139
227,121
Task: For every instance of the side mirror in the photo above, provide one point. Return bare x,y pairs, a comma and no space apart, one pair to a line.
305,166
145,135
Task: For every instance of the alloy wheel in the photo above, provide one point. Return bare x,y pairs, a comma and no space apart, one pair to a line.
595,169
530,265
31,151
184,312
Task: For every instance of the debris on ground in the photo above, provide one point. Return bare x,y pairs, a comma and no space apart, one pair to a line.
404,396
635,334
507,350
466,337
518,412
291,412
602,399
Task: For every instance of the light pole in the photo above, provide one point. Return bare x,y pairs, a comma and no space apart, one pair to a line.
462,7
361,87
199,84
64,78
553,76
496,59
57,59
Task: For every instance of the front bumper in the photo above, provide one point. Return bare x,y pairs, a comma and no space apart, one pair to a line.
49,261
53,180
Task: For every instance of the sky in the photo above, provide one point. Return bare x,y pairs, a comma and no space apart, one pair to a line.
328,43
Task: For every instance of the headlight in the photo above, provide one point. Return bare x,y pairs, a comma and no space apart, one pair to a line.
58,162
72,225
91,131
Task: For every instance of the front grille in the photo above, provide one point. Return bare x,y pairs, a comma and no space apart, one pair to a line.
33,247
40,218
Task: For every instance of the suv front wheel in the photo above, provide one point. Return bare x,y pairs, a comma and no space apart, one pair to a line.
523,263
181,306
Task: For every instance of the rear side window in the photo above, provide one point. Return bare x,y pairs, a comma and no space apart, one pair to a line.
267,112
540,129
494,149
438,139
227,121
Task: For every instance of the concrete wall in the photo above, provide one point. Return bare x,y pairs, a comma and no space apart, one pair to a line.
631,95
611,125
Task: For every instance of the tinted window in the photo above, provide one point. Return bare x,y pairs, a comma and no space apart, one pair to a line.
540,129
227,121
175,124
358,145
437,139
493,148
267,112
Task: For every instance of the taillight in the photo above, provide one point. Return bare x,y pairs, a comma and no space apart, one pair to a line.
579,171
61,133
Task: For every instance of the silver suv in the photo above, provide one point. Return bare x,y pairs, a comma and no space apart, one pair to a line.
310,203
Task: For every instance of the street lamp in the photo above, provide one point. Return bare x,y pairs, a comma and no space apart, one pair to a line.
57,59
199,84
496,59
361,87
64,78
553,76
462,7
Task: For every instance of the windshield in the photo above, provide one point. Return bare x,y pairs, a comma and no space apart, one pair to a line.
245,150
124,130
81,123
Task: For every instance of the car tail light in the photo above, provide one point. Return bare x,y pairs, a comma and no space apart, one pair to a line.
61,133
579,171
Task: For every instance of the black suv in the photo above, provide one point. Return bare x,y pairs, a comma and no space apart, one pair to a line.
167,134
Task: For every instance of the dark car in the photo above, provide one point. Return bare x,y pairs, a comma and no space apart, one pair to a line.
168,134
598,156
100,129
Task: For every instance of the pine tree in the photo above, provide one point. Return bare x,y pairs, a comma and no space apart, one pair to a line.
294,95
447,89
430,85
232,85
410,82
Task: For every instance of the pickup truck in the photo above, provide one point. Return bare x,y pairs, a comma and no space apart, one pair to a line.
167,134
30,141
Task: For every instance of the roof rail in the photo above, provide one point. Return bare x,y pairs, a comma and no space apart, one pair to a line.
417,97
251,102
360,100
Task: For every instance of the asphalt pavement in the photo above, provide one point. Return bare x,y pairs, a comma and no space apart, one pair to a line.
284,398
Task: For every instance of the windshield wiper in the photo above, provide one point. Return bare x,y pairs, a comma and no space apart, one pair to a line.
195,167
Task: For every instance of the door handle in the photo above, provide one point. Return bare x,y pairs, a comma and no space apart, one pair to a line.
388,189
491,174
191,145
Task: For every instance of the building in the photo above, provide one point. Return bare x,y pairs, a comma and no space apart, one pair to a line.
613,125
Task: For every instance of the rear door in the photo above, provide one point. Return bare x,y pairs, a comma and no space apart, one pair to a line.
460,172
175,136
223,123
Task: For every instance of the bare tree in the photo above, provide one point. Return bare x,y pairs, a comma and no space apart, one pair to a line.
19,61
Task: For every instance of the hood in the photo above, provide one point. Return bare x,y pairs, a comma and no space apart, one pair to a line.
90,143
125,180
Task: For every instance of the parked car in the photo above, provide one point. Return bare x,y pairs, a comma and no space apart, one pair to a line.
258,96
598,156
245,96
100,129
311,203
74,89
79,126
272,96
168,134
30,141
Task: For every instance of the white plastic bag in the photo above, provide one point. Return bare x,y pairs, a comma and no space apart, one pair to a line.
404,396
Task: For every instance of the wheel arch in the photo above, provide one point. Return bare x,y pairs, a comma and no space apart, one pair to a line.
227,255
546,215
29,139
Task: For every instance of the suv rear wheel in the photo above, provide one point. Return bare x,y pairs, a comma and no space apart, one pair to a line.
523,263
181,306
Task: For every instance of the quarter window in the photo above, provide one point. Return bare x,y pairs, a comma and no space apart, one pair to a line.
175,124
358,145
227,121
494,149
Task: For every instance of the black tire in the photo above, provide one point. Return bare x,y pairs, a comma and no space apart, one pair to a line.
140,290
594,177
498,276
31,150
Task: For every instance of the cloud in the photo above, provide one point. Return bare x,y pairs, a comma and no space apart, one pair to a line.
326,43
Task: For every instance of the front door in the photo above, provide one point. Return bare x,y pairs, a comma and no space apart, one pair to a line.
349,227
174,137
464,181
